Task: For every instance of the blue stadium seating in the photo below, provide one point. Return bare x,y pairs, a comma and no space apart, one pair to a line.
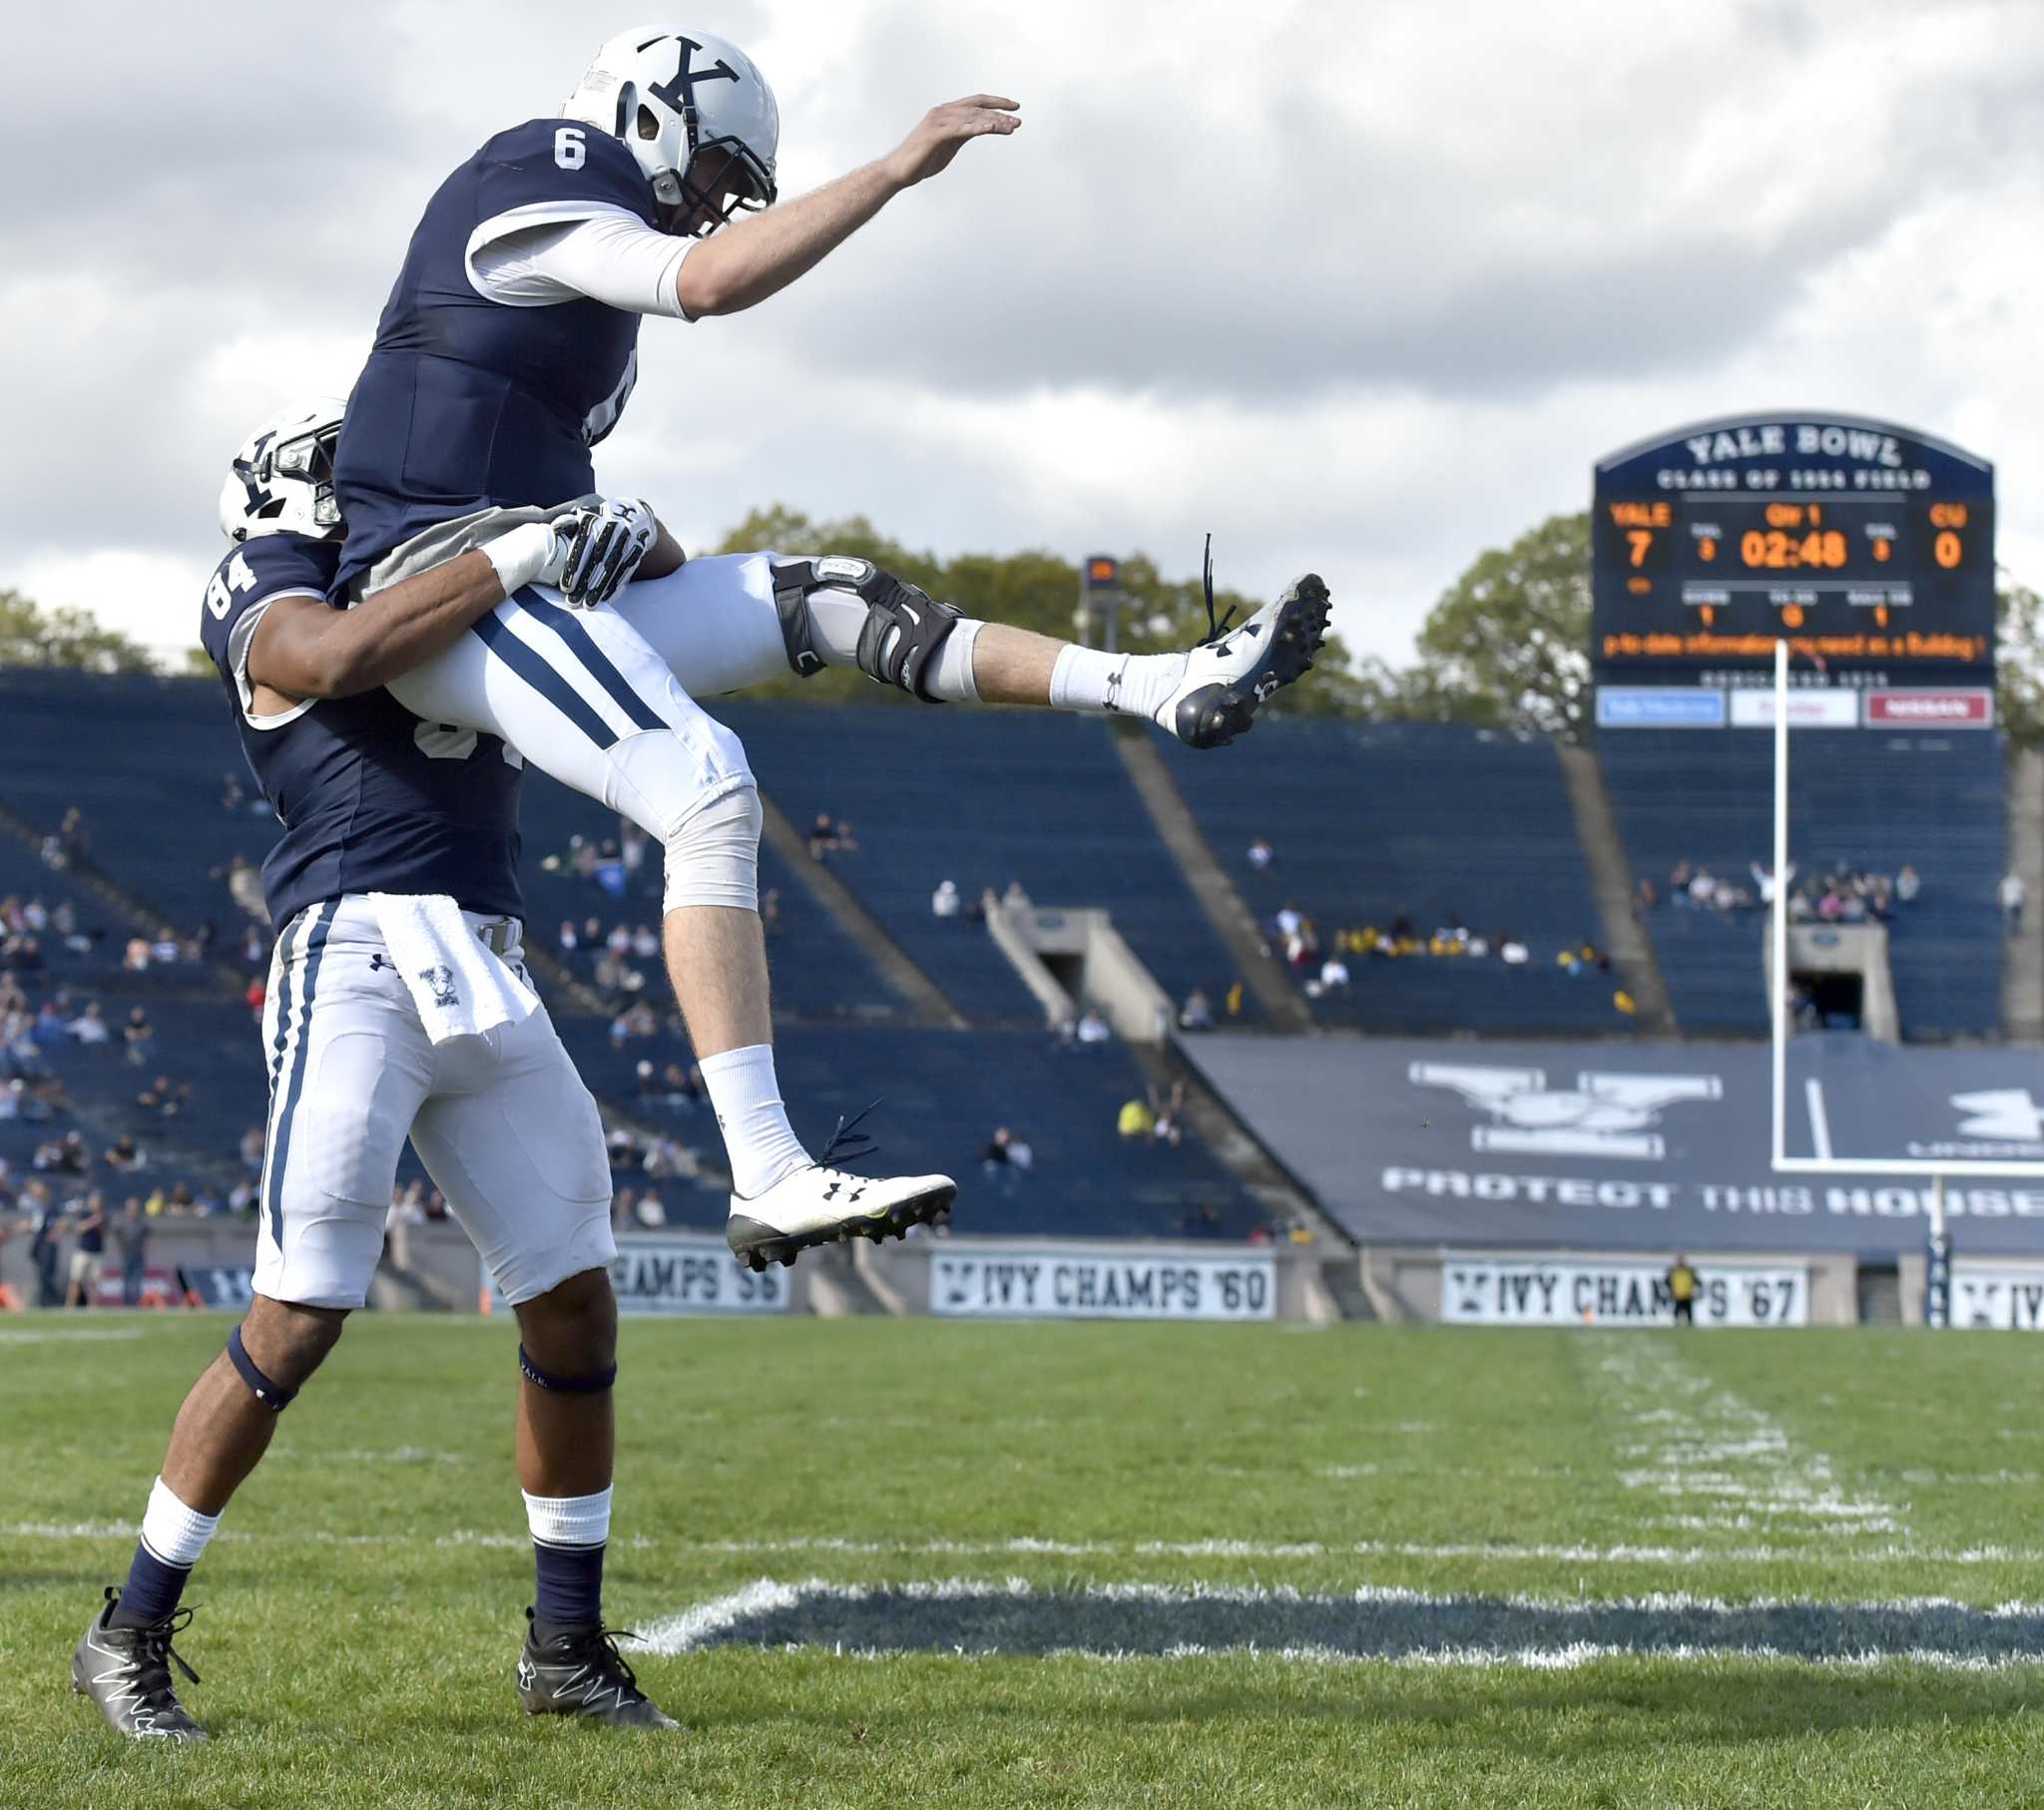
1435,821
983,797
942,1093
818,971
1867,801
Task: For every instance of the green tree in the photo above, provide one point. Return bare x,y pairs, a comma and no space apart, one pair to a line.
31,636
1509,642
2019,665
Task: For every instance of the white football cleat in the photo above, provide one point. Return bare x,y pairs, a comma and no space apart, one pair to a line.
818,1205
1229,675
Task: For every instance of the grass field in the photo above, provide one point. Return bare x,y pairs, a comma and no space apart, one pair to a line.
925,1563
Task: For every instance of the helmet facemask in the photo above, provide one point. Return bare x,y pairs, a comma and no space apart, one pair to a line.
281,482
722,177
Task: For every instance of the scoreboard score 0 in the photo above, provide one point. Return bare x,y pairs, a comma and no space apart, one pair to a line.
1860,543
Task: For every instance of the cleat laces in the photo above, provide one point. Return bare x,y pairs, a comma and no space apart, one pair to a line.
847,1143
1215,628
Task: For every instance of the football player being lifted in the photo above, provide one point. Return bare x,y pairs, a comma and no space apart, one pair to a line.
507,350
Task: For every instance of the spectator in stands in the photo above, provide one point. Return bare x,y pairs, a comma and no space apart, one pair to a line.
256,995
1511,951
1259,853
827,837
1649,894
1235,999
769,911
231,792
624,1208
1333,974
1908,883
255,946
1136,1119
1163,1112
1092,1028
631,847
88,1219
73,838
569,941
164,947
1764,880
252,1150
1702,888
1680,878
1287,922
131,1242
242,1196
945,902
645,945
124,1156
1197,1014
2013,893
994,1160
66,1155
11,1098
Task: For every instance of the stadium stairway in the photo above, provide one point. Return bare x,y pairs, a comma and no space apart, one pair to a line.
1625,937
2022,970
1232,921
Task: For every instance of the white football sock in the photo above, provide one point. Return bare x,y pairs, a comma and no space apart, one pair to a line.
173,1533
569,1519
1131,685
757,1138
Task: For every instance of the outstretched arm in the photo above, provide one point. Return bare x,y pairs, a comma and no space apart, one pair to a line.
755,257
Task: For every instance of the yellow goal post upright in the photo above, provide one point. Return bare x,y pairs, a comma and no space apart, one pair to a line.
1822,1160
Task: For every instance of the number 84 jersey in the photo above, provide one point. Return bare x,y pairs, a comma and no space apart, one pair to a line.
371,799
469,402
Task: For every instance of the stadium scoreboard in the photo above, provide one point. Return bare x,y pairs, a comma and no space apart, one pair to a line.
1864,543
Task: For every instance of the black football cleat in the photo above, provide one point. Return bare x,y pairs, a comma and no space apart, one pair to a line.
578,1672
127,1672
1234,672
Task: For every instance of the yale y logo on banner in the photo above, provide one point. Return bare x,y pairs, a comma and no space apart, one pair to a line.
1602,1116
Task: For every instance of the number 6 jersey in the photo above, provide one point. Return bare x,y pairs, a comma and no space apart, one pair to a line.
468,401
371,799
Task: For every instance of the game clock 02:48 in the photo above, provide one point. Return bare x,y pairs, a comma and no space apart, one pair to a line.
1861,542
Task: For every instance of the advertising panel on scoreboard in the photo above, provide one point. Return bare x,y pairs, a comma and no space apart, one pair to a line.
1867,546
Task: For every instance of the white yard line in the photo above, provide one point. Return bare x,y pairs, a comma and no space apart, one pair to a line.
1501,1551
1721,1463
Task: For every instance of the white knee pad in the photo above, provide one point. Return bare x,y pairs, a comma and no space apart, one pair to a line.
714,857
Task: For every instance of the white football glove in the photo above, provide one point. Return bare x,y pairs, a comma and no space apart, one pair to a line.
588,553
602,548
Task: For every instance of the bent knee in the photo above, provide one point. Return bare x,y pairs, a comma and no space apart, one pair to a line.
574,1325
289,1341
714,857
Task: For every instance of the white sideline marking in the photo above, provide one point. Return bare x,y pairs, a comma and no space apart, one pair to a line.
1502,1552
1704,1447
84,1334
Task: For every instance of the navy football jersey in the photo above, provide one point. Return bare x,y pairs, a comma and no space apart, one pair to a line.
371,799
466,402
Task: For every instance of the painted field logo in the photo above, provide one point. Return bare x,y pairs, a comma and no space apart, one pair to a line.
961,1617
1602,1116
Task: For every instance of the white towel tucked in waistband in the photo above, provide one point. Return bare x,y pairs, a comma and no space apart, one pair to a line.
461,986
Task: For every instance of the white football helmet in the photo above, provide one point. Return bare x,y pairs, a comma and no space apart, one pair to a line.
696,114
283,478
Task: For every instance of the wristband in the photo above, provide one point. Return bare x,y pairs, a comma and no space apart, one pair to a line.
522,557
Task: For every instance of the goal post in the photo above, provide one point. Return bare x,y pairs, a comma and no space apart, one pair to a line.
1823,1160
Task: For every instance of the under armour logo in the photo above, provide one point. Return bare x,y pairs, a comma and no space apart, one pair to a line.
380,960
441,981
679,93
830,1192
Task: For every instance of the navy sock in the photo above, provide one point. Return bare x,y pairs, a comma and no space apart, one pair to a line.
570,1592
152,1589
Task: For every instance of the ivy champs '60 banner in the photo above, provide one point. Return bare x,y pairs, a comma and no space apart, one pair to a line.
1525,1292
1027,1283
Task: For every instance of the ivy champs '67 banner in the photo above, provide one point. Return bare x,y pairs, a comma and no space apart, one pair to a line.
1526,1291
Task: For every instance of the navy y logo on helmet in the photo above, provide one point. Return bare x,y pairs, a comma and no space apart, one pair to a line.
679,91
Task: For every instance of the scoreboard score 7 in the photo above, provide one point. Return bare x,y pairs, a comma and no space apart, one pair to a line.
1864,543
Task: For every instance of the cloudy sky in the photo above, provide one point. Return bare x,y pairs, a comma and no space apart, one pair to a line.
1364,288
